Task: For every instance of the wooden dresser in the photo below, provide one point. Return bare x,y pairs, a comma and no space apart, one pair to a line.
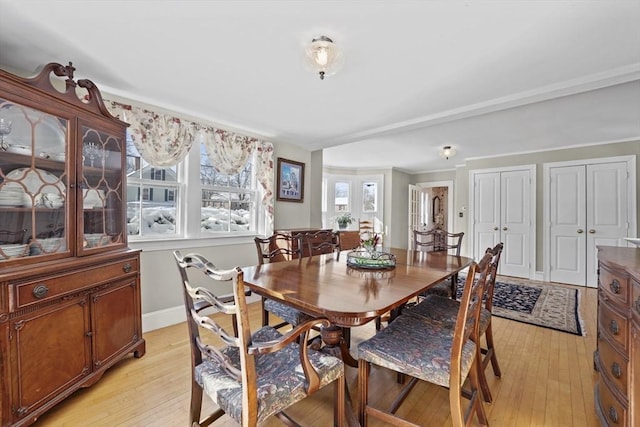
617,358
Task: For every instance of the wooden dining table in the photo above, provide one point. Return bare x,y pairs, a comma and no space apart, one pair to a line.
323,286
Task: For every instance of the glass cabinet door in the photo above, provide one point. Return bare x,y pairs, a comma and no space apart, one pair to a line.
33,183
101,224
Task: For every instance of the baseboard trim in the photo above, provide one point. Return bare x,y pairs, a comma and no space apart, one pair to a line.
172,316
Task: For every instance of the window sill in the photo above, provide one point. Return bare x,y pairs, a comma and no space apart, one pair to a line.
172,243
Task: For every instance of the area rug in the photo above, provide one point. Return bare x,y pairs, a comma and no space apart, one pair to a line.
547,305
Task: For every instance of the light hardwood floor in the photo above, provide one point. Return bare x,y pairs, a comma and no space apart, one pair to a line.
547,380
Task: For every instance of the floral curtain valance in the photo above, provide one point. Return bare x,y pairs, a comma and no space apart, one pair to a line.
227,151
163,141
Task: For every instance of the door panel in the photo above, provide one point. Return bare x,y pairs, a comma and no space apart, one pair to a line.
486,212
515,194
568,223
607,220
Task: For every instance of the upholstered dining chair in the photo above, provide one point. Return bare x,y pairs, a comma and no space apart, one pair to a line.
280,247
254,375
444,309
440,240
427,350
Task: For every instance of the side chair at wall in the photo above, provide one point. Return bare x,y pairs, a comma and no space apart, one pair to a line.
427,350
445,309
440,240
280,247
254,375
323,242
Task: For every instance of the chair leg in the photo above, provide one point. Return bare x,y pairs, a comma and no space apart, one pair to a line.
265,313
363,380
476,402
491,355
196,403
454,286
338,403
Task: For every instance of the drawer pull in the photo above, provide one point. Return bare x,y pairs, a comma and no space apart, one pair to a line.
127,268
616,371
615,286
613,414
614,328
40,291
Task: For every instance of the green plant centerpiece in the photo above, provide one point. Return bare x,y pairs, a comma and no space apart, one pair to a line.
369,241
344,220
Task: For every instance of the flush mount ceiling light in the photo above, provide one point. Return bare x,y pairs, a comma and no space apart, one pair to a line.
447,152
323,56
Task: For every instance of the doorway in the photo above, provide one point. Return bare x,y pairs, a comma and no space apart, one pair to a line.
430,206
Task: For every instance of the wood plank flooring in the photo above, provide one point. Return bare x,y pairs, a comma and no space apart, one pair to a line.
547,380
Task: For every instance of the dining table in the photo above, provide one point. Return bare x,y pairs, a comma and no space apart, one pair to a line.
329,286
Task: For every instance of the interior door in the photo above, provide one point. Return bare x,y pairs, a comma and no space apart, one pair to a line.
486,211
588,207
515,222
567,220
414,211
607,215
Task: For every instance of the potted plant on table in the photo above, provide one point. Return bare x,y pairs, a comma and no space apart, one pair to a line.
344,220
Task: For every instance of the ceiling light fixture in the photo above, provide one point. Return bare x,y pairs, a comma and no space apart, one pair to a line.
447,152
323,56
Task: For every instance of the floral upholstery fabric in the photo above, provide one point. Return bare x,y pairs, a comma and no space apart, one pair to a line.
280,379
445,310
442,289
416,346
287,313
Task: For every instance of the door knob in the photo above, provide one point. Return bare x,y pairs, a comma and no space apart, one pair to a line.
580,231
592,231
504,228
495,228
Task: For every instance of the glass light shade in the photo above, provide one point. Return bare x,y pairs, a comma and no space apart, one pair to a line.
447,151
323,56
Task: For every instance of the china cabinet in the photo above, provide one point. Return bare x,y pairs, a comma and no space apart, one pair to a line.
69,285
617,358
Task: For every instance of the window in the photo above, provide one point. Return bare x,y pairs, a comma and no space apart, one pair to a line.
369,197
341,197
228,202
152,194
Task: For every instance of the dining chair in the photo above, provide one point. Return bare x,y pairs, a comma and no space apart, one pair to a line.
440,240
323,242
446,310
365,226
275,248
427,350
251,376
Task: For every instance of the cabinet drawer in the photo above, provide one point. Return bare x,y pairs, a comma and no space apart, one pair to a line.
29,293
614,325
613,365
635,300
614,285
610,409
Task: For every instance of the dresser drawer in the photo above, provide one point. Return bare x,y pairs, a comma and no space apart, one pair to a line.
614,285
613,366
614,325
635,300
611,411
55,286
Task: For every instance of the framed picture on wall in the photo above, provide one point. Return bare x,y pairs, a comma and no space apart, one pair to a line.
290,181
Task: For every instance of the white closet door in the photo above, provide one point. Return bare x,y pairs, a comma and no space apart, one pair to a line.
515,207
607,218
568,221
486,212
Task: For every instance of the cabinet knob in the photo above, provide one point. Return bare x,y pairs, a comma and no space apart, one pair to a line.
613,414
127,268
614,328
615,286
40,291
616,370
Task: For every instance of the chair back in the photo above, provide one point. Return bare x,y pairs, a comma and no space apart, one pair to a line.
278,247
491,276
196,299
366,226
437,240
323,242
468,318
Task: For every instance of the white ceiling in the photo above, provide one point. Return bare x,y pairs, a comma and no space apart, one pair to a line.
487,77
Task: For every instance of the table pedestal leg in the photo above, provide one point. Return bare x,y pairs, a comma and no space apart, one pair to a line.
336,346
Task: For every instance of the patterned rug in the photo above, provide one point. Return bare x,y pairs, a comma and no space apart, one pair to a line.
537,303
